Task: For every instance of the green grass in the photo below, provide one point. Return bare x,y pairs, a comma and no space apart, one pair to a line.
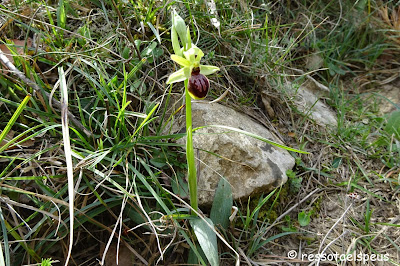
129,172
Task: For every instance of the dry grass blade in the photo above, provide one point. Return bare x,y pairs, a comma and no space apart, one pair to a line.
396,18
393,21
68,158
320,250
12,202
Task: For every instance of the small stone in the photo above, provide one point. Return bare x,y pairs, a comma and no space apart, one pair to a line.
307,102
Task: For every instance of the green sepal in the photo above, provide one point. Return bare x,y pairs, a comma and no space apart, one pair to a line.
180,75
180,60
208,70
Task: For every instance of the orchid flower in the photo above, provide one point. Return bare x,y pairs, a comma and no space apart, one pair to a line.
188,57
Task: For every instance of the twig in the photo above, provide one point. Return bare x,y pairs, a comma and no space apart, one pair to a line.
37,89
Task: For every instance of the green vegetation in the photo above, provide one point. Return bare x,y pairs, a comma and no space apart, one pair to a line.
97,70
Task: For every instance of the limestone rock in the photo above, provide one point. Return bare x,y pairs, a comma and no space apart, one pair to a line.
307,100
249,165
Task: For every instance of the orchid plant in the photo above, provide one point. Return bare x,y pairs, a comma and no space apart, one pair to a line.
193,74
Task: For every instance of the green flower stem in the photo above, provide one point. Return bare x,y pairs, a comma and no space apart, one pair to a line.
192,178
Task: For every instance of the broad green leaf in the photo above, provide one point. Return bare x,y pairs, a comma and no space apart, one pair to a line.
193,249
179,25
149,49
207,238
393,124
126,52
304,218
222,205
175,42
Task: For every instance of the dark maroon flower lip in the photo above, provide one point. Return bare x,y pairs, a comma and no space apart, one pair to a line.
195,71
198,84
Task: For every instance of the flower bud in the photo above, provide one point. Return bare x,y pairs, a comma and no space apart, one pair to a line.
198,84
179,24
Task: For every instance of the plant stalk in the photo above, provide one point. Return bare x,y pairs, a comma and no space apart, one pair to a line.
192,177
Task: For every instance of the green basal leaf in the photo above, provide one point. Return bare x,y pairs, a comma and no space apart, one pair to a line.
393,124
222,205
207,238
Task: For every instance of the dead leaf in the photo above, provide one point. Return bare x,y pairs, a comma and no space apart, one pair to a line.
20,49
8,137
266,100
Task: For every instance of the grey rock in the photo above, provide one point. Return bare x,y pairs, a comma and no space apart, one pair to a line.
249,165
307,100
